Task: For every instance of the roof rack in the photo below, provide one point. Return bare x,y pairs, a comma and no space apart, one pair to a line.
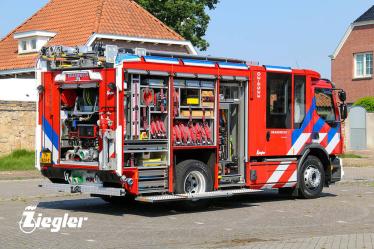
176,55
98,56
62,57
195,57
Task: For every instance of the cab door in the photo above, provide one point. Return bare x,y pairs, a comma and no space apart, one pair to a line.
279,109
326,130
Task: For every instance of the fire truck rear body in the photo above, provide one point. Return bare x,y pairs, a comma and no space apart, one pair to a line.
171,127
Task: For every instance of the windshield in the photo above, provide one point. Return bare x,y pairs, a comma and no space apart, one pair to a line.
325,104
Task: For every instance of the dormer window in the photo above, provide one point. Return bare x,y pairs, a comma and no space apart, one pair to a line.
32,41
33,44
24,45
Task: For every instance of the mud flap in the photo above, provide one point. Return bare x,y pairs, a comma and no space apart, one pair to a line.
337,171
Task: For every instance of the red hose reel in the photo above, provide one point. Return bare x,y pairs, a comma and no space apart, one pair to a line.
192,134
157,129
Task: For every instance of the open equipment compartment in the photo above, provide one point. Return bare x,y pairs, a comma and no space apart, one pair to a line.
146,133
79,115
232,116
194,112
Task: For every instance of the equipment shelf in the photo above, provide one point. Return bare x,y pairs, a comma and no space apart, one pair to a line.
145,150
193,147
194,118
196,107
150,86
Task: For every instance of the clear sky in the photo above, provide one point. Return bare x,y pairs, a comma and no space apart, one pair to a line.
15,12
297,33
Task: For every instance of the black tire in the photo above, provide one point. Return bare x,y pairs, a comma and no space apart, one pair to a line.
182,170
308,190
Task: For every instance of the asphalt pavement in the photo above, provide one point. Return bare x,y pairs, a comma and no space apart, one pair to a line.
342,218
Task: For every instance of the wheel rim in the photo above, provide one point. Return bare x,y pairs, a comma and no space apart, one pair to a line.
312,177
194,183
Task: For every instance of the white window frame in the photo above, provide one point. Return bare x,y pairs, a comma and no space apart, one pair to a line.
39,37
35,41
29,48
364,75
24,45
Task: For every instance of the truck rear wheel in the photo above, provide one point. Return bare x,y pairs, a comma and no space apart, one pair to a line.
193,177
312,178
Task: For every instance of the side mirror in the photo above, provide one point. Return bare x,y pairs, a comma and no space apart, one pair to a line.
342,96
343,111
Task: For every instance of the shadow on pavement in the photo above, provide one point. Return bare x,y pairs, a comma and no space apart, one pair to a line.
97,205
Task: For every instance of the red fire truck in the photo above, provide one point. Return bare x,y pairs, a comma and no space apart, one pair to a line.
162,127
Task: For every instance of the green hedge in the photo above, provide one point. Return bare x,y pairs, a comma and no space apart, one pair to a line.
366,102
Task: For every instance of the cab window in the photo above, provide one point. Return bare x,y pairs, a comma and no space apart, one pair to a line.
278,113
325,104
299,108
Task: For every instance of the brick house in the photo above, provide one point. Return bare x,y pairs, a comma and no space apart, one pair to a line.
69,23
352,61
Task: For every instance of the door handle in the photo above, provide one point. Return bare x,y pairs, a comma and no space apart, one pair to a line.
268,136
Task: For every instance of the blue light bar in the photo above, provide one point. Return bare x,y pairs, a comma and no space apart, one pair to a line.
278,68
199,63
159,59
126,58
230,65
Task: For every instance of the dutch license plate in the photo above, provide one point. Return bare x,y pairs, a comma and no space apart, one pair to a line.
46,157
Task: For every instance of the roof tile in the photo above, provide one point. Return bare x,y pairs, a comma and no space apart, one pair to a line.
75,21
367,16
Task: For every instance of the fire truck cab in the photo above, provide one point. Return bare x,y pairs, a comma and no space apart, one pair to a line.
164,127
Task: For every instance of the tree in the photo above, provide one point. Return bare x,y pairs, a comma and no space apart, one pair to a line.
186,17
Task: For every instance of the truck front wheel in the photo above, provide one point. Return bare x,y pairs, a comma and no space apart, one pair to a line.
311,178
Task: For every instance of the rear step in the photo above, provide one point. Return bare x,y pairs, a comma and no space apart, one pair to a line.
98,189
207,195
84,189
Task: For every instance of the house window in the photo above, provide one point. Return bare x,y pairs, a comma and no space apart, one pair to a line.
33,44
24,45
32,41
28,45
363,65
